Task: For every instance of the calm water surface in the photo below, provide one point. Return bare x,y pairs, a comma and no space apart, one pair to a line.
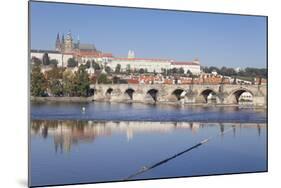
109,142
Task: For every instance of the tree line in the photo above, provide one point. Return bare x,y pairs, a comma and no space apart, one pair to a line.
60,82
247,72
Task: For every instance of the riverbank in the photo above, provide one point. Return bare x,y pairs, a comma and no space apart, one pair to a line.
176,103
61,99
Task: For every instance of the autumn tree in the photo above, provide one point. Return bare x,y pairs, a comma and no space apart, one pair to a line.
38,82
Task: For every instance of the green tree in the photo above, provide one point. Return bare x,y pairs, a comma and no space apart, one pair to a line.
141,70
56,88
54,73
54,78
36,61
102,79
169,72
118,68
71,62
95,65
54,62
128,68
174,71
108,70
189,73
164,71
82,82
68,83
88,64
38,82
46,59
181,71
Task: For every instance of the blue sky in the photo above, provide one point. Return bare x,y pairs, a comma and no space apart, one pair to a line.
216,39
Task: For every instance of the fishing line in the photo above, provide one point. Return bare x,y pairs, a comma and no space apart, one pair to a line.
145,168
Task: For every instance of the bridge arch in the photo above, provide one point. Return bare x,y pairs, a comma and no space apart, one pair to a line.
92,91
153,94
178,93
241,95
108,92
207,96
129,93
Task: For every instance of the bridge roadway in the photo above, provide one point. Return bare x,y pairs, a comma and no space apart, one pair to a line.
193,94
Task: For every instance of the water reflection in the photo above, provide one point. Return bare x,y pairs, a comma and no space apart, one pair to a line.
66,134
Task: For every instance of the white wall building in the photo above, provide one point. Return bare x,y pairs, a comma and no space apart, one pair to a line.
148,64
61,58
193,67
152,65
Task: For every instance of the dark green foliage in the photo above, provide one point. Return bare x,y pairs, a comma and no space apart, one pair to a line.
128,69
68,84
46,59
88,64
118,68
141,71
56,87
95,65
82,82
181,71
36,61
54,62
54,73
102,79
247,72
71,62
108,70
188,73
38,82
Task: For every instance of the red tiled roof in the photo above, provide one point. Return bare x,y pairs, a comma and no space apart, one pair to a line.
94,54
183,63
141,59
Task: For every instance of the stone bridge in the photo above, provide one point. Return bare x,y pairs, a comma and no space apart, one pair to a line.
185,94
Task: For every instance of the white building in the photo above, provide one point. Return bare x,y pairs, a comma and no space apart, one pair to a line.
147,64
61,58
152,65
193,67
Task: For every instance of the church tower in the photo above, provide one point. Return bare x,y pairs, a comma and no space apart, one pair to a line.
58,44
131,54
62,43
68,44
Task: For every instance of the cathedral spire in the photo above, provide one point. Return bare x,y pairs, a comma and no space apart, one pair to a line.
58,44
62,39
62,42
78,41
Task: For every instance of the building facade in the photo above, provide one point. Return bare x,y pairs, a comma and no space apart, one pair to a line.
66,48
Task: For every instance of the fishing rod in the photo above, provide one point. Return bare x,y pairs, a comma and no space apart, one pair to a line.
145,169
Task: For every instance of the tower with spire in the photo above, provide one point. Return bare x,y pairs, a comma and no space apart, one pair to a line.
62,43
68,44
58,43
131,54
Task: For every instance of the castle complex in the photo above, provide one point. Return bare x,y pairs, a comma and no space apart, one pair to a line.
66,48
67,45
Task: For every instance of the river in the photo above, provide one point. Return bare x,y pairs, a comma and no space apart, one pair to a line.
111,141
